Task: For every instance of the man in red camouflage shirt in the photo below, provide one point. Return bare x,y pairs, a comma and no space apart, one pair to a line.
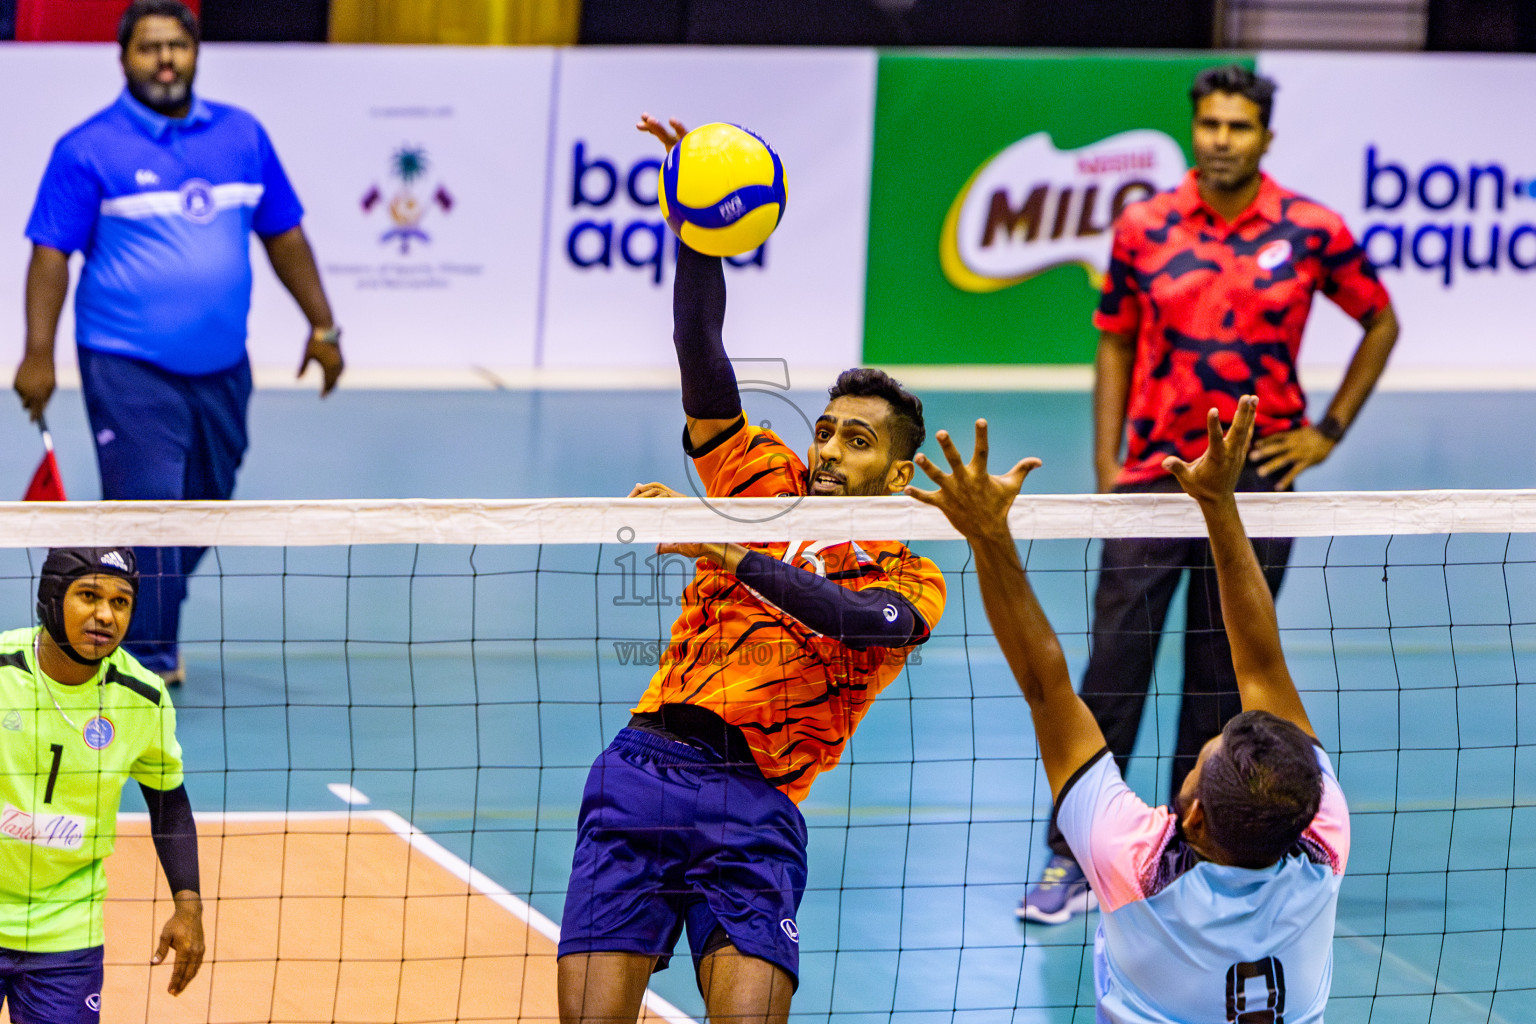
1208,292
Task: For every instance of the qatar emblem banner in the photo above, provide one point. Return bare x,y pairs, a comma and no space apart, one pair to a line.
421,170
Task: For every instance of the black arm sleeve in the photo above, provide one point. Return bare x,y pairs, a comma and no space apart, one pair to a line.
175,835
698,326
873,617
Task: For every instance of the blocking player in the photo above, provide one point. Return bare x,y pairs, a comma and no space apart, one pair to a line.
690,814
1220,906
1208,291
80,718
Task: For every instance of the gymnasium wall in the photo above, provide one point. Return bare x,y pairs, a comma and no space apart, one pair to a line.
493,211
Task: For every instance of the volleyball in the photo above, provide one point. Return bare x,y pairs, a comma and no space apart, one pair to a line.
722,189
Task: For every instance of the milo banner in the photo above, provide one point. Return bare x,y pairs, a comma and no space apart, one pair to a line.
996,180
996,183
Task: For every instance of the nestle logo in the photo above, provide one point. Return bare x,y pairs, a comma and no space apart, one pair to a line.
1116,163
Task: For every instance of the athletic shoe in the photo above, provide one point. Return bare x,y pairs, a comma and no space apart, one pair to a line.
1061,894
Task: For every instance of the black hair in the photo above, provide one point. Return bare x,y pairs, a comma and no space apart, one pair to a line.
906,408
1261,788
1235,80
141,9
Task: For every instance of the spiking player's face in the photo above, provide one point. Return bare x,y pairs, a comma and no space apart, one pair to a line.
97,610
851,450
160,62
1229,140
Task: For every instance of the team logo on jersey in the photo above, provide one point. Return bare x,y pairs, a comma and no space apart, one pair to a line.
93,1002
99,733
12,721
406,210
788,925
197,201
115,560
1274,254
145,178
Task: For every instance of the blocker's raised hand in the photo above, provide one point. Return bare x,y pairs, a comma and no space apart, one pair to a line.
1213,476
974,501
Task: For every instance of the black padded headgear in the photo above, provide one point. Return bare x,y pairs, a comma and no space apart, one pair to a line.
65,565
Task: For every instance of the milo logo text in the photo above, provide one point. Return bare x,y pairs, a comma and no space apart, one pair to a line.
1033,207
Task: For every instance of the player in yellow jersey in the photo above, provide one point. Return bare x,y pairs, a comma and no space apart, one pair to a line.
690,814
79,717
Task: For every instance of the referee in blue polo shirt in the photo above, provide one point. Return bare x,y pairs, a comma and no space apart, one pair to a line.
160,192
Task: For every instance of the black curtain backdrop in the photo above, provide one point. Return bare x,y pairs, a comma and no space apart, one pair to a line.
269,21
1183,24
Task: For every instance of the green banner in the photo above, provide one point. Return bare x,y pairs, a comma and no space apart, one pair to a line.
996,180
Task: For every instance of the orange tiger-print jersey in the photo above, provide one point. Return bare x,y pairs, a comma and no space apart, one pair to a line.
795,694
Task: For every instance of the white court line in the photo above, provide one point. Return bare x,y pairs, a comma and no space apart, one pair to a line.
1414,970
443,858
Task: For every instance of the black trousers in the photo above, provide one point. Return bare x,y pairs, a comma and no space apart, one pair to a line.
1137,578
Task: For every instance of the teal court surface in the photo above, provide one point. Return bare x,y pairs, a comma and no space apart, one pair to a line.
467,690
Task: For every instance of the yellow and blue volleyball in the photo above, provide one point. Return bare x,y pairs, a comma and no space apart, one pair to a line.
722,190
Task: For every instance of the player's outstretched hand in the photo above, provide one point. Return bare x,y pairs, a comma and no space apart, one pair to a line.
974,501
1213,476
647,123
654,490
183,933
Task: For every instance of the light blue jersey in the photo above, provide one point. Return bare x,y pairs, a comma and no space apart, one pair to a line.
163,210
1182,939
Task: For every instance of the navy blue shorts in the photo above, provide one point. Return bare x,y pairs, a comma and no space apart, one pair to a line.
669,834
52,988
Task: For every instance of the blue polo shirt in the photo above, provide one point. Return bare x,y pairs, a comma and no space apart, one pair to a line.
163,210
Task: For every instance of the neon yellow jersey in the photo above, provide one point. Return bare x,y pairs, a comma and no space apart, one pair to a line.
65,754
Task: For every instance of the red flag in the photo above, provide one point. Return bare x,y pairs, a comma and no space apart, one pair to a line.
47,484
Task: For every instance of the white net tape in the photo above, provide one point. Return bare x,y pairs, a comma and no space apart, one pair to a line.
644,521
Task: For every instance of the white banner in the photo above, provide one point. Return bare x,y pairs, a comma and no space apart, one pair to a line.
441,193
610,255
422,176
1423,157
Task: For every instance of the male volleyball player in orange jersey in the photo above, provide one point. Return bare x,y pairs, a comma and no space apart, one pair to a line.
689,816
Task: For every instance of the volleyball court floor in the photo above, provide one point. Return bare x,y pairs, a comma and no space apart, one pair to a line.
470,742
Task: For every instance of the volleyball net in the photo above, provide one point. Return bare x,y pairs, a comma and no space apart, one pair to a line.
391,707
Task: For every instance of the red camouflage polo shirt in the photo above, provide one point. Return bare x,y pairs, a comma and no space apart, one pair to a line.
1217,311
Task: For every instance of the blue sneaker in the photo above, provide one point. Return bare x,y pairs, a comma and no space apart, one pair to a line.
1061,894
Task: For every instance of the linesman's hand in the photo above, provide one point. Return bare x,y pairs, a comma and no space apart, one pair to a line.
327,354
974,501
35,384
1213,476
647,123
183,933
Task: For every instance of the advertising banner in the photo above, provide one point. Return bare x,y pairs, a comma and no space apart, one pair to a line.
996,181
422,181
1436,179
609,253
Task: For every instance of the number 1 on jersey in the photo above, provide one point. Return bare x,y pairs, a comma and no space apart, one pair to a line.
53,773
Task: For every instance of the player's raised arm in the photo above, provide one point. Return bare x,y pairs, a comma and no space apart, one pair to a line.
711,401
1263,680
976,503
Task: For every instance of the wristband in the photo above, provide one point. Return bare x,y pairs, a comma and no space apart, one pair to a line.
330,336
1331,428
